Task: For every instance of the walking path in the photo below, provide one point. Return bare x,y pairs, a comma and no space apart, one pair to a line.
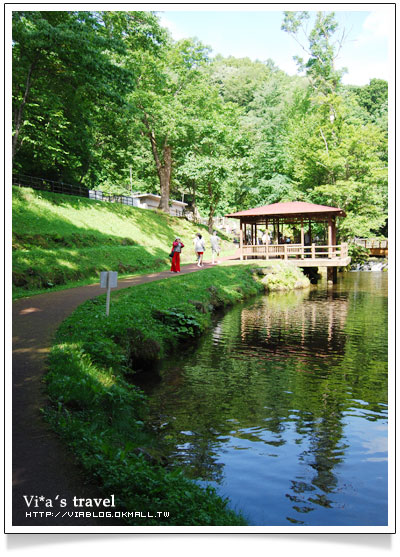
42,466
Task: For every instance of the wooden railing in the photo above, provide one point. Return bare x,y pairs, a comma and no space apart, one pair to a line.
371,243
298,251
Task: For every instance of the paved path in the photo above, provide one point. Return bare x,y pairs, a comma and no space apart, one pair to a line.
42,466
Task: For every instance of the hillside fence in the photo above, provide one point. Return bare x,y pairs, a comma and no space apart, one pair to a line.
53,186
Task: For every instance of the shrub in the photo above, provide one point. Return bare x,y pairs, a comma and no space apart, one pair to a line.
359,254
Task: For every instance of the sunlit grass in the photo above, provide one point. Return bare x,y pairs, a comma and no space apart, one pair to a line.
60,241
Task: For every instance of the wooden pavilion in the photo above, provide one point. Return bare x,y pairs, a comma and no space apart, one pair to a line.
307,251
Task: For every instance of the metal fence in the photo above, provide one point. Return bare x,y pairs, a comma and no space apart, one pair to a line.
43,184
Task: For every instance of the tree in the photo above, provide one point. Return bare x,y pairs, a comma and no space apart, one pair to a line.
336,157
237,79
213,155
322,47
166,92
373,100
67,75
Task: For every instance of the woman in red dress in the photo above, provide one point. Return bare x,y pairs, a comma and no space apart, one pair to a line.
176,258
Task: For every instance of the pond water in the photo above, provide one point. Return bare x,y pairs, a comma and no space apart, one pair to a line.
282,406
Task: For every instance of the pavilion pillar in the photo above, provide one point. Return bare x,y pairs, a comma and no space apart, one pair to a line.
302,238
332,275
330,237
334,235
241,240
266,240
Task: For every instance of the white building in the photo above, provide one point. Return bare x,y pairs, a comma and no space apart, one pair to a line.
141,200
152,201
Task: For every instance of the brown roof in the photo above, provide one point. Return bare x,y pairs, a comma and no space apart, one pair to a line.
289,208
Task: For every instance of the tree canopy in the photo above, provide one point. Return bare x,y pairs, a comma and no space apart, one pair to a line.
98,96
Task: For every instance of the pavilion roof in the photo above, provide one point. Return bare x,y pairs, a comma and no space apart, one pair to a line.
290,208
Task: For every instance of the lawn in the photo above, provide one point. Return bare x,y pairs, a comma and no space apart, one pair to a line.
60,241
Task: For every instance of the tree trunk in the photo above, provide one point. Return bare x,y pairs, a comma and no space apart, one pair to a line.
211,211
194,204
163,168
19,113
211,219
164,174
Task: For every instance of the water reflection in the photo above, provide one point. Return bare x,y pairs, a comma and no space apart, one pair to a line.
282,407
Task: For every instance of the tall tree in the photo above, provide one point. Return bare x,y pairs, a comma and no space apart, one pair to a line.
165,95
336,158
322,45
66,74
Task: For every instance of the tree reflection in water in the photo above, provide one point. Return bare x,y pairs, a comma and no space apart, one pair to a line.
265,405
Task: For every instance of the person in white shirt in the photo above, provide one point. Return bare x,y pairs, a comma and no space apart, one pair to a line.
199,247
215,249
194,247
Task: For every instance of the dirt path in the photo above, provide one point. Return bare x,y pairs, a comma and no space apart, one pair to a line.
41,465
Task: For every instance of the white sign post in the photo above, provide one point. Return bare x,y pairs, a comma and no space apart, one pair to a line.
108,279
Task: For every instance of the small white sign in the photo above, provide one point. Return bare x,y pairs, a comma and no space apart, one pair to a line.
112,277
103,279
108,279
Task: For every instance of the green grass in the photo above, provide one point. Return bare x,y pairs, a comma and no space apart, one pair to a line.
61,241
277,275
102,416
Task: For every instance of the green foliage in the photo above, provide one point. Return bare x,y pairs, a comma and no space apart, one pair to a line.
358,254
285,277
97,95
322,48
239,79
182,324
373,97
69,86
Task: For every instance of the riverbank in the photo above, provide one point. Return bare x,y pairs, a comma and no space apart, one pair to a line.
102,416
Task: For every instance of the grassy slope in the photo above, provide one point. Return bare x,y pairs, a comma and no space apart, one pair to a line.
60,241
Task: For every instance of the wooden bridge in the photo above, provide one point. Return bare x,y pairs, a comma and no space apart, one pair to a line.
376,248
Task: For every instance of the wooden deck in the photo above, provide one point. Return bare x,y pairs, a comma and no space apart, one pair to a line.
299,255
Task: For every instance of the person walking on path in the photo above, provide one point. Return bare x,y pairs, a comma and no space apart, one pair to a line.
176,257
199,247
194,247
215,248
